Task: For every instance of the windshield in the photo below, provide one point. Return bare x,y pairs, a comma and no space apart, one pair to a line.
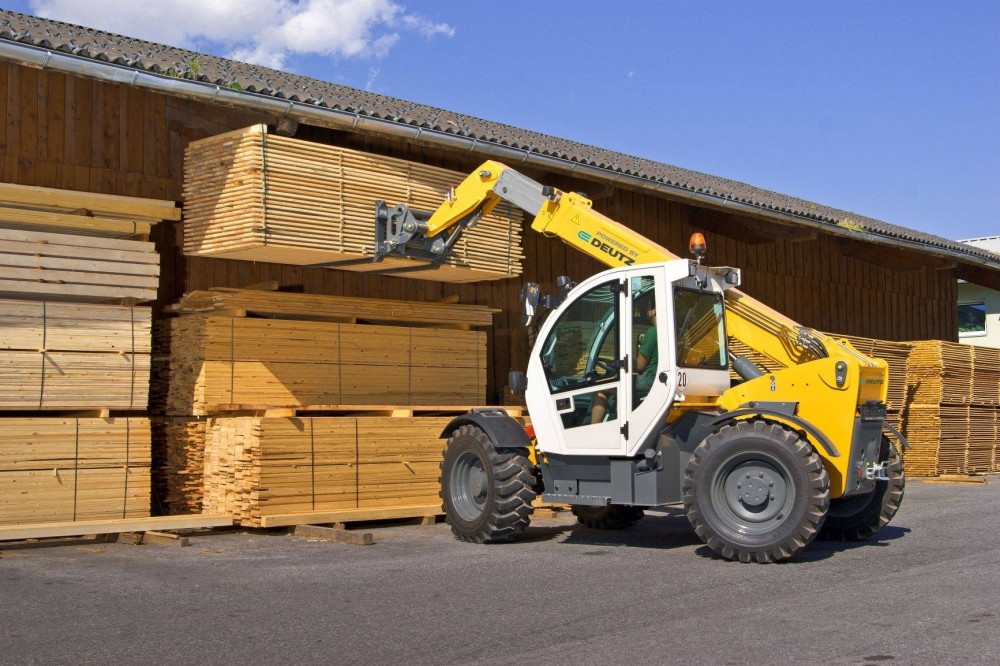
700,329
585,335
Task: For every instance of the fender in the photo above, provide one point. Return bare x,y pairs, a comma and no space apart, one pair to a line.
702,424
790,419
503,430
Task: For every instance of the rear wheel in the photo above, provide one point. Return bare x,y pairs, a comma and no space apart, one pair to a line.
486,493
614,517
756,492
857,518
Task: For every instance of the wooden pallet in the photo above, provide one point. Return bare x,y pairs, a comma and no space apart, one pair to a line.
259,197
940,372
53,529
394,411
349,516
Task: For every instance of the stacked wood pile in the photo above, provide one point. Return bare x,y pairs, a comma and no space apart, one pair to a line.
953,413
232,353
76,268
59,469
74,348
73,356
81,213
252,195
257,467
179,463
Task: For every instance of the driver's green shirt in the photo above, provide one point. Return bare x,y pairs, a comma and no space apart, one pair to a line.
648,348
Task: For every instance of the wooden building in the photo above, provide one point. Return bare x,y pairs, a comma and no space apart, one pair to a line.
91,111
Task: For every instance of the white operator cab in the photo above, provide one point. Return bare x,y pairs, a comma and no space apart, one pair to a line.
586,351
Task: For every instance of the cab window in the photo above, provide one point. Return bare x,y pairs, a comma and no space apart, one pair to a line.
700,329
581,348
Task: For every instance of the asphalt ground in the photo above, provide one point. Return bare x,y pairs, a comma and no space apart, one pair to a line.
925,591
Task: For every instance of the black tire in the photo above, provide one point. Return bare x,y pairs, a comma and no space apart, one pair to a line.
614,517
859,517
486,493
756,492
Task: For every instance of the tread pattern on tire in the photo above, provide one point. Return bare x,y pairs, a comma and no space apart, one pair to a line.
508,514
818,493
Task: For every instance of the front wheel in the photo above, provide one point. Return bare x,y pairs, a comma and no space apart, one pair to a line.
756,492
858,517
486,493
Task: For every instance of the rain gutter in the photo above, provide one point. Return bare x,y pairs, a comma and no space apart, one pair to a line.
65,63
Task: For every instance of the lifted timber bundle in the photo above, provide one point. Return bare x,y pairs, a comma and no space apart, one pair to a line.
260,197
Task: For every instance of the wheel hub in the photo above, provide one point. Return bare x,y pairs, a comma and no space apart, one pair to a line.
470,486
755,490
477,483
754,493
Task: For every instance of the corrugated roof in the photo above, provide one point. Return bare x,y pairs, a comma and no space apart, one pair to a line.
159,58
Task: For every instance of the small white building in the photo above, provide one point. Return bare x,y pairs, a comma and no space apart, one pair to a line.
979,307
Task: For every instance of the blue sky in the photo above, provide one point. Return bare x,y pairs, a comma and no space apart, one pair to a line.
888,109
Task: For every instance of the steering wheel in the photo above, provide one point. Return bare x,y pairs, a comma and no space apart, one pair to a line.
607,365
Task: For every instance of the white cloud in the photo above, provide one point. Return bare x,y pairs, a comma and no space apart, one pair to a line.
265,32
373,73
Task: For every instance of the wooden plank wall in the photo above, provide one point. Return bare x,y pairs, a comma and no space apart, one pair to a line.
74,133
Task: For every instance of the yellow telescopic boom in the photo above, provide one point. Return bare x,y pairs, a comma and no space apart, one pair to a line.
837,381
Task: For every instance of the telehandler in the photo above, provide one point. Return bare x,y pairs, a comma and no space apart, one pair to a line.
627,415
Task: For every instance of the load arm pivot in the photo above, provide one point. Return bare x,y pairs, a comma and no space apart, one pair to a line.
430,235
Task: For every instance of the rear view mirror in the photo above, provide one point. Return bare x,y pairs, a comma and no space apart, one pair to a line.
517,381
530,296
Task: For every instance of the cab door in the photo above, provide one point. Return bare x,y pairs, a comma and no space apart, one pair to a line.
575,374
582,393
651,381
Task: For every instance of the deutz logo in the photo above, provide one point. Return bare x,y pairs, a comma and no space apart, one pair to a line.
614,253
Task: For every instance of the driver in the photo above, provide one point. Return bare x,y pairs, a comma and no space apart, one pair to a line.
645,365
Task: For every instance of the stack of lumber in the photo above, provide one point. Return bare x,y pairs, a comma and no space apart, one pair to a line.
54,469
982,439
951,421
40,265
986,375
257,467
73,356
225,362
231,352
74,342
178,463
80,213
255,196
940,372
